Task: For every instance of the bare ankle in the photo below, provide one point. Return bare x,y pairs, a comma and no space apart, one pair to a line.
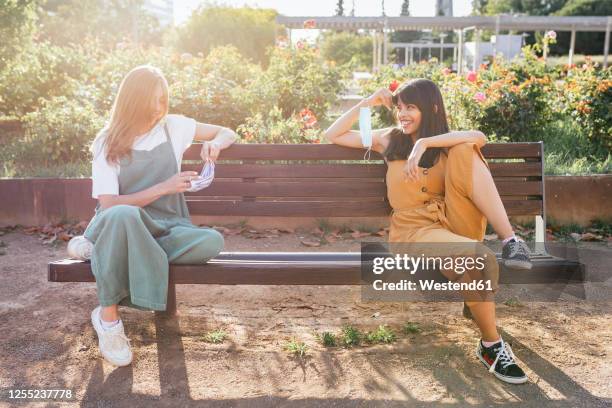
110,313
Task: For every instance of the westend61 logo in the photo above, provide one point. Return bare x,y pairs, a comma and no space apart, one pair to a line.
412,264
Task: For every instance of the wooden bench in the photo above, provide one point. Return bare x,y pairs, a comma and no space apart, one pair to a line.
321,181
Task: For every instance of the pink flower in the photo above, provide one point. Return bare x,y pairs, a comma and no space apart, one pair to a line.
551,34
472,76
299,45
446,71
309,24
480,97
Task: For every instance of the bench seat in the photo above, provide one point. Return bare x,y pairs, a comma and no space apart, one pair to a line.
307,268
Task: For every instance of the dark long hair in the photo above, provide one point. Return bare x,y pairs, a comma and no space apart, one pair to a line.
424,94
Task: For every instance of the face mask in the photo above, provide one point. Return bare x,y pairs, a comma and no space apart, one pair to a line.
206,178
365,129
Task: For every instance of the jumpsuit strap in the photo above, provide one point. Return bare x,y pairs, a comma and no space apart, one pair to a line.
166,132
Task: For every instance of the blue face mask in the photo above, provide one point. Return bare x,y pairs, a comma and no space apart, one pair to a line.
365,129
206,177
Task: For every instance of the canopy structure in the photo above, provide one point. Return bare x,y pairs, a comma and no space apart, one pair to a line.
381,26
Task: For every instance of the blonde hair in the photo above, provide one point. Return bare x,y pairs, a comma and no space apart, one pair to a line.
132,107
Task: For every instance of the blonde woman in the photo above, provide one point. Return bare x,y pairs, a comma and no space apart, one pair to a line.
141,223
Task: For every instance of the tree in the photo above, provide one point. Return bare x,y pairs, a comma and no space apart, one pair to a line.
250,30
17,19
66,22
530,7
405,8
340,8
479,7
344,47
586,43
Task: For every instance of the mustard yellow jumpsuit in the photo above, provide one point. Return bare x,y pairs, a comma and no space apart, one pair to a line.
439,207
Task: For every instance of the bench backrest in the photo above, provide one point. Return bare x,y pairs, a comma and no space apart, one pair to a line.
320,180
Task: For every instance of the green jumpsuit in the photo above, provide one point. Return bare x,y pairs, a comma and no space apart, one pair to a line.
133,246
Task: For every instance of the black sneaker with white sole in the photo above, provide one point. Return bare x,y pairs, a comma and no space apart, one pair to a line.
499,359
515,254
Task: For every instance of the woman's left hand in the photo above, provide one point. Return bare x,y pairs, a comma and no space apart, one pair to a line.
210,151
412,164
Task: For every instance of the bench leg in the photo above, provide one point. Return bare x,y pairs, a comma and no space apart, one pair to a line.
170,303
540,235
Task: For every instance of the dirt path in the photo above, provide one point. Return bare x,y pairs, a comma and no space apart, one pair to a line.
47,342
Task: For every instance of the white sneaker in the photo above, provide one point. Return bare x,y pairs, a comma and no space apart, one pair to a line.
113,343
80,247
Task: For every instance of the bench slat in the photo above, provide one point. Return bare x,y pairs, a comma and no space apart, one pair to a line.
335,152
516,169
290,208
347,170
284,152
225,170
295,189
325,208
332,189
519,188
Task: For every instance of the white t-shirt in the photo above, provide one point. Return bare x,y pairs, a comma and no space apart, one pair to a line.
105,176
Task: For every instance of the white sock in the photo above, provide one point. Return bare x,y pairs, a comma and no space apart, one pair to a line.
488,344
513,236
107,325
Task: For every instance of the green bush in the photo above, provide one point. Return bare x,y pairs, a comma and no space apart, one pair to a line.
274,128
40,71
215,89
492,100
504,108
60,132
297,79
586,96
17,26
250,30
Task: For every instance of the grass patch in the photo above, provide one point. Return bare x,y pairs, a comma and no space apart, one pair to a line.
602,226
296,347
563,163
568,151
327,339
215,336
324,225
381,335
350,336
513,302
411,328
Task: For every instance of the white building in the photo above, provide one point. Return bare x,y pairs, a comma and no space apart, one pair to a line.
474,54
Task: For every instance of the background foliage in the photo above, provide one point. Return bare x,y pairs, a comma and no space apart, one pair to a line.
61,62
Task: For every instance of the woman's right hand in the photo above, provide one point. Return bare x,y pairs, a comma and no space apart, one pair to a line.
382,96
179,183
